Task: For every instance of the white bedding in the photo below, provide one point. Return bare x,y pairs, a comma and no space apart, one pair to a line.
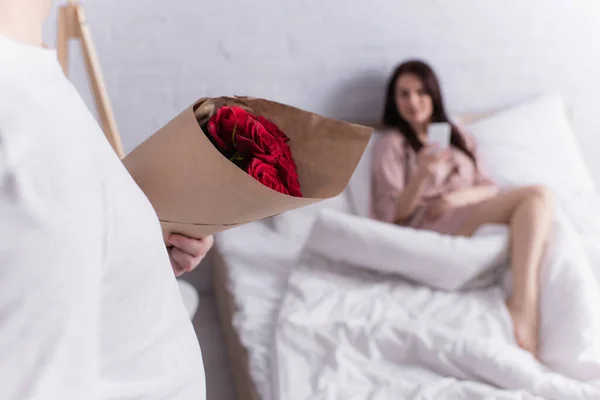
438,261
335,331
441,345
259,261
347,333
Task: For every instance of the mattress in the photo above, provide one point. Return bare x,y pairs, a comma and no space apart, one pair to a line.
252,265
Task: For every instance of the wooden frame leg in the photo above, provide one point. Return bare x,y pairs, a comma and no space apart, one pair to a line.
72,25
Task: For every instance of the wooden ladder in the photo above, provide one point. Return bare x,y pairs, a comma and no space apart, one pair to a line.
72,25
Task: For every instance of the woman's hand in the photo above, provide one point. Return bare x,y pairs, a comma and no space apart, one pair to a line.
186,253
429,159
460,198
441,206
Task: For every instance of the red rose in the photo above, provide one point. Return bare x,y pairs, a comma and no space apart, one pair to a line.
289,176
257,145
255,140
222,126
277,133
274,129
233,128
266,174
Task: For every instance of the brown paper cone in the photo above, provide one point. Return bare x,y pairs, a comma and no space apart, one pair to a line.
196,191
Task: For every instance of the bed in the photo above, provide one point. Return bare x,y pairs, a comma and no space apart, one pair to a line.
253,263
251,266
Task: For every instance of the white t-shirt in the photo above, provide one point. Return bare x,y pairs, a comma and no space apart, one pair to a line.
89,305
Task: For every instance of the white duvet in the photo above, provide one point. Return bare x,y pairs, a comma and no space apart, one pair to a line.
347,331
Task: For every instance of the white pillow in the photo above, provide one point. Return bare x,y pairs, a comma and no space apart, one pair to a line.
296,224
359,187
533,143
457,262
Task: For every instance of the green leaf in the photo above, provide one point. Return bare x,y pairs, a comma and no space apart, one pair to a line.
236,158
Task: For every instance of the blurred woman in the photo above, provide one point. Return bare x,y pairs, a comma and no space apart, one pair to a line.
419,185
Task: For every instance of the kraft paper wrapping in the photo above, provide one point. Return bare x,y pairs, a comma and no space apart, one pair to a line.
196,191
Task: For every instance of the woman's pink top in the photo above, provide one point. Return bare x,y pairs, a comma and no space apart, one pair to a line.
395,164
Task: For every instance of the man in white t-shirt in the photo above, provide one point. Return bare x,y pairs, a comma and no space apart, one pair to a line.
89,304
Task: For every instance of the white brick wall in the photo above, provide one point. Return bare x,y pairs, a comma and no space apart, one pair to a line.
333,56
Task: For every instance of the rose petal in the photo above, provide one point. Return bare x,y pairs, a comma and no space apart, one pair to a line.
211,126
289,176
273,129
225,125
255,140
266,174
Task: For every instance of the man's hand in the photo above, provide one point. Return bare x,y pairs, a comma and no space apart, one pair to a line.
186,253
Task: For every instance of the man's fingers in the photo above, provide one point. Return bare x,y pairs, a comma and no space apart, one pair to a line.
187,253
188,245
208,242
177,269
186,261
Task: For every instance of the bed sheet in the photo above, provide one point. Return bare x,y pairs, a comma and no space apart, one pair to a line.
257,263
346,331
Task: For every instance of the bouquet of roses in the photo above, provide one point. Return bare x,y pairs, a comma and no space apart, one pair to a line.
256,145
228,161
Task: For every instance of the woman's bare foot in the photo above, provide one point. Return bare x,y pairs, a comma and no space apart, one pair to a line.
525,319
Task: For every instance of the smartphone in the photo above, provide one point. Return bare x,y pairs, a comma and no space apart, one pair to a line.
439,133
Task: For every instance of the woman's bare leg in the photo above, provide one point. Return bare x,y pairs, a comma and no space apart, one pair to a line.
528,212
